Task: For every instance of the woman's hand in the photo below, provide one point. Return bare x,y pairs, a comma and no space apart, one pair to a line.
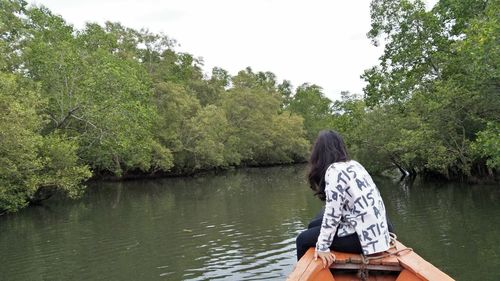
326,257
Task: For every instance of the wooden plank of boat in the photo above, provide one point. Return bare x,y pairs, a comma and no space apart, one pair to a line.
355,261
309,269
398,263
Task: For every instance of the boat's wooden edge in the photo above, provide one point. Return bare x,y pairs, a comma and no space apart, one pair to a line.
407,260
309,269
407,275
420,267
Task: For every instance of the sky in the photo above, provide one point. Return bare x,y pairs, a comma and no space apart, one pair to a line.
321,42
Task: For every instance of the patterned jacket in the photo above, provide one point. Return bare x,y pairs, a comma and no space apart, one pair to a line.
353,205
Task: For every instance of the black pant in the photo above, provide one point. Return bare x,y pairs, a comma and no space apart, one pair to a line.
309,237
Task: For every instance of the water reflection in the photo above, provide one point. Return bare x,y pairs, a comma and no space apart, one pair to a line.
240,225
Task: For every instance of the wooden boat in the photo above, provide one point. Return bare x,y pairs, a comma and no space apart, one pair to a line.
398,263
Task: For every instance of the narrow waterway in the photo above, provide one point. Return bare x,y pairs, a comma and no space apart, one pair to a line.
238,225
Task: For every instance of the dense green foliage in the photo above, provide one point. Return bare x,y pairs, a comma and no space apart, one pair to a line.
114,101
29,161
433,102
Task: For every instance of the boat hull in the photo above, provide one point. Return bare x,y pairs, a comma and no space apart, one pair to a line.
398,263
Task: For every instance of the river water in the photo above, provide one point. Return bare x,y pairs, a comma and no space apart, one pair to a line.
238,225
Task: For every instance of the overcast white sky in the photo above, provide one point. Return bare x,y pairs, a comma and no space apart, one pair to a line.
318,41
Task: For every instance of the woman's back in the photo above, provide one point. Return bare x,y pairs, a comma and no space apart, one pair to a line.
354,205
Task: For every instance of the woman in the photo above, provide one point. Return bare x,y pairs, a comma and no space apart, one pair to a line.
354,219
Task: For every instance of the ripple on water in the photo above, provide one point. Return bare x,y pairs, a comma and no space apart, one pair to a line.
233,260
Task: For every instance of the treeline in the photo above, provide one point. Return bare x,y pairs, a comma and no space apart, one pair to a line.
113,101
432,104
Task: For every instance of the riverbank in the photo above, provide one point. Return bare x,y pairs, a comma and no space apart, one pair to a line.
109,102
138,175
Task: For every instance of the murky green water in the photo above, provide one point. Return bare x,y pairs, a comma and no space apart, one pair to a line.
240,225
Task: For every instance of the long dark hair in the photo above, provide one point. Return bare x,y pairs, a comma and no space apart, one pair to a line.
328,148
